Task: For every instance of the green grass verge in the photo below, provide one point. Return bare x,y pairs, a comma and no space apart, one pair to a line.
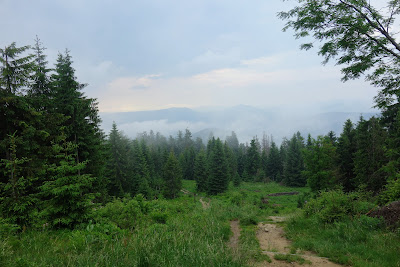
357,242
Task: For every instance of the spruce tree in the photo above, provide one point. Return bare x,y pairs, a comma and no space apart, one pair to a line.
117,163
236,180
230,160
233,142
320,160
294,163
17,200
83,124
274,163
369,157
201,172
218,170
15,71
187,160
68,192
40,89
172,176
392,151
346,148
140,175
24,136
253,159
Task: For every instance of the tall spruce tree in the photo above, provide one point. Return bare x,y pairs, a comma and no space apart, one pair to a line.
17,199
22,137
172,175
83,124
253,159
117,163
392,151
140,174
369,157
67,191
274,163
218,170
346,148
187,160
231,161
320,164
294,163
15,71
40,88
201,172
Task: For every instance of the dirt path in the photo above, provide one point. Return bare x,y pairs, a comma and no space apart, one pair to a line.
234,240
205,205
272,242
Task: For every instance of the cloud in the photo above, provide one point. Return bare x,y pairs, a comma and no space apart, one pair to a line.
264,81
133,83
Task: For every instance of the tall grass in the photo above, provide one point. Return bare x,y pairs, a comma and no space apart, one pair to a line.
360,241
176,232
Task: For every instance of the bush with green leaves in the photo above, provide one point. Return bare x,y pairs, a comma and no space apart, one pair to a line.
7,228
330,206
391,192
126,213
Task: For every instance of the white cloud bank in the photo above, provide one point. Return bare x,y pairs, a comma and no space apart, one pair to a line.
265,81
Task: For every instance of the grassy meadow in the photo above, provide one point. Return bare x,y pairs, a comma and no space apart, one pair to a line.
136,232
181,232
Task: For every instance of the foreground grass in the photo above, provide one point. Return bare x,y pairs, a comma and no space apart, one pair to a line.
154,233
357,242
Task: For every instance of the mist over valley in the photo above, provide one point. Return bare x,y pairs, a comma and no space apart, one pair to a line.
245,121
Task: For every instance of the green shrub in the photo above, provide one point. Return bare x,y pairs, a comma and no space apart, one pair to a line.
236,198
303,198
159,216
125,213
330,206
391,192
7,228
370,223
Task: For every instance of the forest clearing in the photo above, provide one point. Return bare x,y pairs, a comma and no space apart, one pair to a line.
184,232
72,194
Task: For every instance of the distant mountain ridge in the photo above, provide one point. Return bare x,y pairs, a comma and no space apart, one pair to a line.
246,121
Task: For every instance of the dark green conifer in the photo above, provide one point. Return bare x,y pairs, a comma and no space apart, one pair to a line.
67,190
274,163
200,172
218,170
320,160
346,148
236,180
172,175
294,163
253,159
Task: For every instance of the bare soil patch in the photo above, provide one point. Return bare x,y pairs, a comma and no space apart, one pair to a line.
272,242
234,240
390,213
205,204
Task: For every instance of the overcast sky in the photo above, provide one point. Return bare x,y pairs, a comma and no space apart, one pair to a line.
154,54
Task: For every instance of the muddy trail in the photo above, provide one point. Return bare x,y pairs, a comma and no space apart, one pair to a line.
234,240
204,204
273,242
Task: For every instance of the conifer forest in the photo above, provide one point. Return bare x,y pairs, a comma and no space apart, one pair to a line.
74,195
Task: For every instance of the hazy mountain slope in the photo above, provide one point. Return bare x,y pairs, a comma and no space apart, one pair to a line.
246,121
